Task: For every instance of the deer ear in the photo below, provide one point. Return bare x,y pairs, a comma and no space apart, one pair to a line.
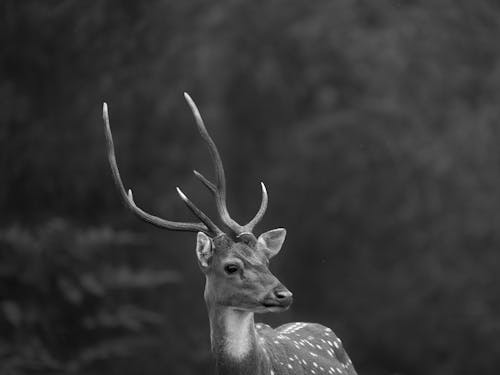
203,249
271,241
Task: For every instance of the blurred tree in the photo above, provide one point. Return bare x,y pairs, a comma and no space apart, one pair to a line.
63,305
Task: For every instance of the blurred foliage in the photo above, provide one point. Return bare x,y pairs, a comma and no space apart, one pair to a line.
63,305
375,126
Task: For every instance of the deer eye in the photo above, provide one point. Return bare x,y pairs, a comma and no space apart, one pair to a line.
231,268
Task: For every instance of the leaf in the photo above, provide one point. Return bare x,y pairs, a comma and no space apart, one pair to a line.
12,312
71,291
90,283
124,277
128,317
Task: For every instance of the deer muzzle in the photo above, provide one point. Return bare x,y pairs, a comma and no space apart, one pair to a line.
280,298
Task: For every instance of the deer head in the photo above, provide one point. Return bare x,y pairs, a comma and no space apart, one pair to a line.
235,262
237,273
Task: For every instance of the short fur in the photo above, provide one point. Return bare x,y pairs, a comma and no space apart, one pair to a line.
242,347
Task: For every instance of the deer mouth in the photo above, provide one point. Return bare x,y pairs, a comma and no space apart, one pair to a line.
274,305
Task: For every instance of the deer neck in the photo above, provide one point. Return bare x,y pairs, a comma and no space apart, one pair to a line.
234,342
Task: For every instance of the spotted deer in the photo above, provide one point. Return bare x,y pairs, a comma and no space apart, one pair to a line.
239,284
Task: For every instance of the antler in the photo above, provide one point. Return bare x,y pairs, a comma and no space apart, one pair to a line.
260,214
219,188
206,226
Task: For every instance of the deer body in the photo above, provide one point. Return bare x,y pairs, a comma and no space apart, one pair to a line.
239,284
294,348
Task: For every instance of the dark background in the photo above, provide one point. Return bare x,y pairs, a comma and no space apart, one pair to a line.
375,126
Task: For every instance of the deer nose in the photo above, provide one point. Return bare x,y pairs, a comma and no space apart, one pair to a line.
283,295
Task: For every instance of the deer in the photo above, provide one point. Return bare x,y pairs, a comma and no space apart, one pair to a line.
239,284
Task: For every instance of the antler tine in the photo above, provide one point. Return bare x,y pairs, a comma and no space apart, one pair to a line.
262,210
205,182
263,205
220,186
195,210
129,199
